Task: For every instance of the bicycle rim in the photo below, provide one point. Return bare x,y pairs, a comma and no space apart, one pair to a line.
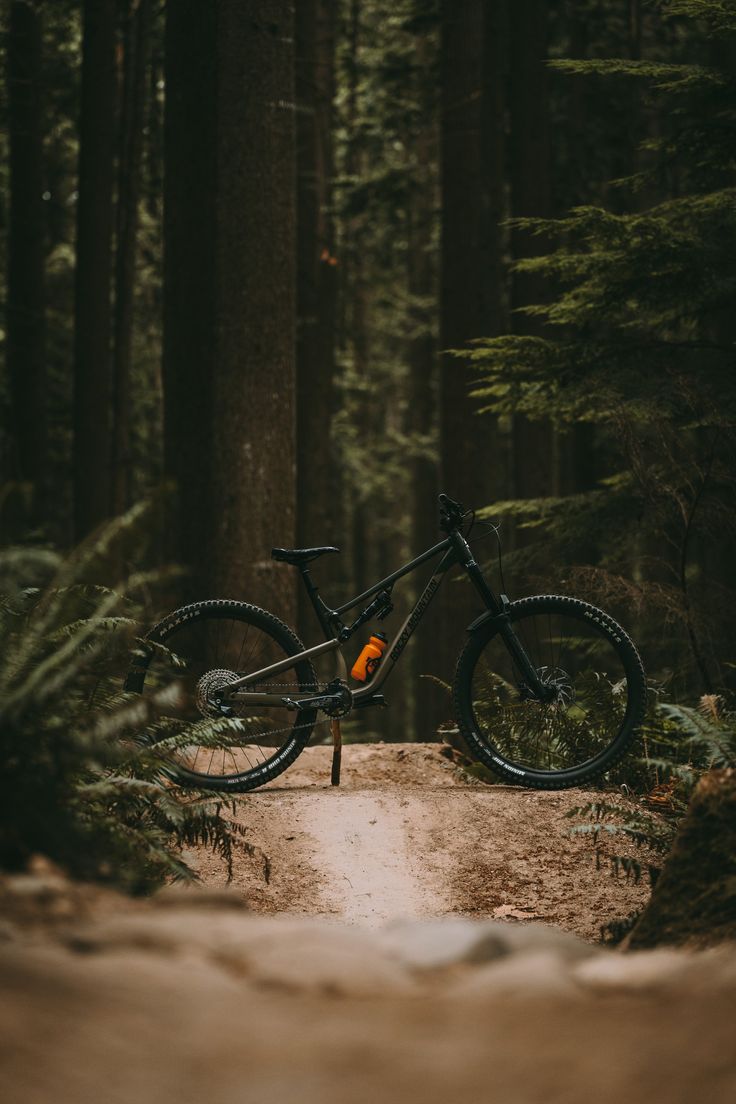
206,647
594,681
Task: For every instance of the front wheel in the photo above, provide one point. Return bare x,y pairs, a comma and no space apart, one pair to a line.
595,694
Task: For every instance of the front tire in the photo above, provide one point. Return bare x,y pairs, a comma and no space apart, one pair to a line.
596,682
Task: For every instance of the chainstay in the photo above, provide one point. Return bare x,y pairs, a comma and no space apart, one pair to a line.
293,727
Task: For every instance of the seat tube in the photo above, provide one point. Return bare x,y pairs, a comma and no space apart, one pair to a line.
317,604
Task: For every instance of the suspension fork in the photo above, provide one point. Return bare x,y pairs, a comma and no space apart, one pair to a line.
499,610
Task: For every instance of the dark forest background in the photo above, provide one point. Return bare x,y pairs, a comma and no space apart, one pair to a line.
244,243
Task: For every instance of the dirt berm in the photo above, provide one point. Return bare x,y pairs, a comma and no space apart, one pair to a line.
192,997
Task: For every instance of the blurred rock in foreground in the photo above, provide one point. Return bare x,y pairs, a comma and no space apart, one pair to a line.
186,999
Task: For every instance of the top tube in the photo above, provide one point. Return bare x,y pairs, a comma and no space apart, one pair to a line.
437,548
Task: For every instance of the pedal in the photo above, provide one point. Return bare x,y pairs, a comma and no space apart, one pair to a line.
375,699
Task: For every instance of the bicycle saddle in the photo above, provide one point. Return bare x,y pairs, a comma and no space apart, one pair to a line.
298,556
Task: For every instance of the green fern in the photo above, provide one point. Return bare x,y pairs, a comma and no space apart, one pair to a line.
713,737
605,819
83,776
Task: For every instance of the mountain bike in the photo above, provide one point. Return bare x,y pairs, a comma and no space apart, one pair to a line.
548,691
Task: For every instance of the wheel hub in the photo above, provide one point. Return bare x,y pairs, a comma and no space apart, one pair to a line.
559,689
209,688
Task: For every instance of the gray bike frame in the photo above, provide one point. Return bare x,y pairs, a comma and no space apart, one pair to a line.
456,551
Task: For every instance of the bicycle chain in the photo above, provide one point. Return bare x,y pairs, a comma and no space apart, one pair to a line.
294,727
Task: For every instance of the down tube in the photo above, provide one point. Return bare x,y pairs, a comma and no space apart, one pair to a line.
402,637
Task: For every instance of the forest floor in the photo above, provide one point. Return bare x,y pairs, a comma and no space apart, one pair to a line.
380,942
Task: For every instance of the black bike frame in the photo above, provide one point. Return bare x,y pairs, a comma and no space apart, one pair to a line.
454,550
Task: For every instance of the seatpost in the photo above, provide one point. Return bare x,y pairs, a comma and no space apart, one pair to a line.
317,604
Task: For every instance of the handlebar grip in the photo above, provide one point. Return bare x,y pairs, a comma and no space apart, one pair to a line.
449,503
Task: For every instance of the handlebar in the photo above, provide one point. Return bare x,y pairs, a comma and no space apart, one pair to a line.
451,514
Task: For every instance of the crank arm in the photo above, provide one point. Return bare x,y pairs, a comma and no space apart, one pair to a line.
321,701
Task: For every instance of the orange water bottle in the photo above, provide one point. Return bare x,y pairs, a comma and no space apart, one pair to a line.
370,658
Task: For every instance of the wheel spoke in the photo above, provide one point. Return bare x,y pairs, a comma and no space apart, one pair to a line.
214,649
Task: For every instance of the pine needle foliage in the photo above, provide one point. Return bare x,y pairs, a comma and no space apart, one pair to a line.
83,777
638,341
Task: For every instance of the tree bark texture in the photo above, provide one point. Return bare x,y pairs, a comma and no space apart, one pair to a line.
25,346
230,294
92,320
471,269
471,279
694,900
429,703
533,474
318,483
135,65
189,355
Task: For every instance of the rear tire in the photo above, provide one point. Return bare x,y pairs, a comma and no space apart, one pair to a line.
595,671
213,639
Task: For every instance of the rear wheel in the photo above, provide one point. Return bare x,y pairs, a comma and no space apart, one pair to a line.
210,644
595,694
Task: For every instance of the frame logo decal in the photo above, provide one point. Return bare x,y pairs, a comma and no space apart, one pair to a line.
416,616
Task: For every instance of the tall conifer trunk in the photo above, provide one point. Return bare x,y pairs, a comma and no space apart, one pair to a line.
230,294
422,412
318,491
25,352
471,274
189,356
534,473
136,49
92,316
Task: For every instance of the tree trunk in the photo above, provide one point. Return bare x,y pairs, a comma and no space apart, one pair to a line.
254,416
25,352
189,356
429,701
229,295
92,317
137,45
318,488
471,269
534,464
694,900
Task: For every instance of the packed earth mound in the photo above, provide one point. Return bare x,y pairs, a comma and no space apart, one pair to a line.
190,998
410,834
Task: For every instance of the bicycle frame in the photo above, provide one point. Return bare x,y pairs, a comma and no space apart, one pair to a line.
455,551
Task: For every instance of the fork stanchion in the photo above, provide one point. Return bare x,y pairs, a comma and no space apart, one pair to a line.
336,751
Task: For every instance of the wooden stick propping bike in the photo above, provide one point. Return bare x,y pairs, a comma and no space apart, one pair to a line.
336,751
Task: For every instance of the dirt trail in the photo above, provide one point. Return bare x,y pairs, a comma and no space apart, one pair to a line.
407,834
363,847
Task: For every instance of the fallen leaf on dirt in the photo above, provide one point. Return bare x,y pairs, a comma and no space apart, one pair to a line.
522,913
